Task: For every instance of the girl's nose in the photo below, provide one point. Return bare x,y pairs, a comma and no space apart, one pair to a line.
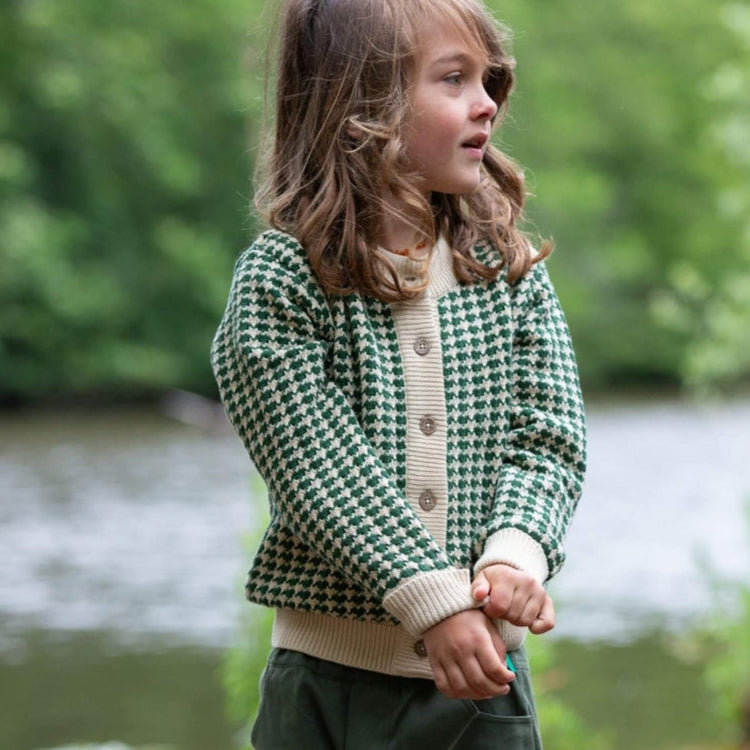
485,106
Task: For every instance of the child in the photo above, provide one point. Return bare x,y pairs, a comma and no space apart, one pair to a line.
395,360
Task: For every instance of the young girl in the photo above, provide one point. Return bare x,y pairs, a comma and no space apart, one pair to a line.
396,362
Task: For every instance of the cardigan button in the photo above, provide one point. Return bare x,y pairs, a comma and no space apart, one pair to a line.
422,346
427,425
420,649
427,500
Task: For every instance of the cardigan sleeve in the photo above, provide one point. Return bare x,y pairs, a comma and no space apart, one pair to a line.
325,481
543,463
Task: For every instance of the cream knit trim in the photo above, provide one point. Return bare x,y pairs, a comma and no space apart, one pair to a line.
362,644
515,548
418,329
417,324
425,599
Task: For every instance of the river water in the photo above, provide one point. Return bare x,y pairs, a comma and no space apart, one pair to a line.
130,530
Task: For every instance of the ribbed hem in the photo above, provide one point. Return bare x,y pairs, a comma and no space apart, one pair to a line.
374,646
426,599
515,548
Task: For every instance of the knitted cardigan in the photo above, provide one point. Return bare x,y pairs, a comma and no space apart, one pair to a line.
404,445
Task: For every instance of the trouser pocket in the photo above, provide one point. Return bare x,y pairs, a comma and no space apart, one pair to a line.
505,721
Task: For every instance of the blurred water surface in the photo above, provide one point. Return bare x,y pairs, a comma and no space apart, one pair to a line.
125,521
131,522
665,513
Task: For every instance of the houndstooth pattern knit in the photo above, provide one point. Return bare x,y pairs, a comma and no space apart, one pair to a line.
315,387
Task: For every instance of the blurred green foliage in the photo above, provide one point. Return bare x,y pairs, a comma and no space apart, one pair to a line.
242,667
726,666
632,118
124,183
243,663
721,644
562,728
128,132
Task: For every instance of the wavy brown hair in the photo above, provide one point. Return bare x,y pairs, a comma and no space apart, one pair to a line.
342,99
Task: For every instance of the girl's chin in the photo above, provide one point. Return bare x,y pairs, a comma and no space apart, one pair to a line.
466,189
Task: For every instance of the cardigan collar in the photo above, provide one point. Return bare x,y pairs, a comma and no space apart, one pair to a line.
439,265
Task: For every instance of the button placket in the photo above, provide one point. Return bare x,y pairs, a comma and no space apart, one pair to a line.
419,335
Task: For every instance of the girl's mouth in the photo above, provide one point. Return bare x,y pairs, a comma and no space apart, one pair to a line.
475,145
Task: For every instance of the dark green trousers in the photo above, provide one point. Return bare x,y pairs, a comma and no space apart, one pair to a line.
310,704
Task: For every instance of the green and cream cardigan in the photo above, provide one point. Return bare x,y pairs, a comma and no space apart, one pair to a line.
403,445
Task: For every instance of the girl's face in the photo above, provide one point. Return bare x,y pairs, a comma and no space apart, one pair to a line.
449,129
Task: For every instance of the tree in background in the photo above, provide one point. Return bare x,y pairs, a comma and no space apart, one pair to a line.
614,116
124,184
716,316
127,142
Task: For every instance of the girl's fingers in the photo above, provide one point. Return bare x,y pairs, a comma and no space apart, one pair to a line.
530,613
480,684
477,676
501,599
518,604
457,685
493,663
545,620
441,679
480,588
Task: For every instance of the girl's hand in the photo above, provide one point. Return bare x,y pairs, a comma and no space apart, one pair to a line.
515,596
468,657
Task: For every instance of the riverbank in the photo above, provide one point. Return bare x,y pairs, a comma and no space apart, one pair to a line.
61,688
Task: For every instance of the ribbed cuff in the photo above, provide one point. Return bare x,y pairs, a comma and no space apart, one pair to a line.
513,635
428,598
515,548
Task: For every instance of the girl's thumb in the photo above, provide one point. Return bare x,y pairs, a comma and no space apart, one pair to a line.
480,587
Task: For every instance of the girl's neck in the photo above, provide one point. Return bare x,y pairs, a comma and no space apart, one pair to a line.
398,239
397,232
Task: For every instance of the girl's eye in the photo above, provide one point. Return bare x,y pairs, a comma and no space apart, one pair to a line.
454,79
